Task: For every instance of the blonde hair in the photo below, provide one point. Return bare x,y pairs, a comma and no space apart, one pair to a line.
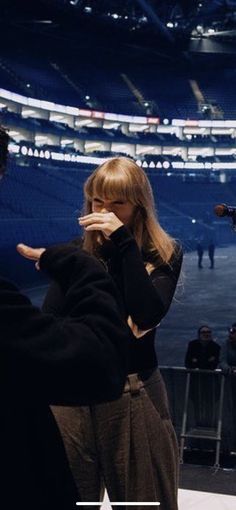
122,179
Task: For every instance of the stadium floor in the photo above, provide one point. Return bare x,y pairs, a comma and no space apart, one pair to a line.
194,500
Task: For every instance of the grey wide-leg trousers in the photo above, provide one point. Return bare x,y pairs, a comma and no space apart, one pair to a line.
127,446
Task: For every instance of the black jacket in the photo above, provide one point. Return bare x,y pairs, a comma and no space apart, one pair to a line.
78,358
204,356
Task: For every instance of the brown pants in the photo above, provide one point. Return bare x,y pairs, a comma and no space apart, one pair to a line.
127,446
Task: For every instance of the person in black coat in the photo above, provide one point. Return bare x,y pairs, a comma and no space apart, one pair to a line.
203,352
211,254
77,358
200,252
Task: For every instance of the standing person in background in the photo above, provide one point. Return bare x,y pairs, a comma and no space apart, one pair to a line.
203,352
211,254
129,445
200,252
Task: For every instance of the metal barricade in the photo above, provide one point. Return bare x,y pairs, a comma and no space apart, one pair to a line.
203,387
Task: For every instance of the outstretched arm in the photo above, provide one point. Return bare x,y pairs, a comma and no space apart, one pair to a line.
87,344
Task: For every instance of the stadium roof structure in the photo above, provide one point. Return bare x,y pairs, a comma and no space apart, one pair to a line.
159,26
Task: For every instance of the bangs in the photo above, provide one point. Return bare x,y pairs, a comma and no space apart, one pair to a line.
112,186
121,179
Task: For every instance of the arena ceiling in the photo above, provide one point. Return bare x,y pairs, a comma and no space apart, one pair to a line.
158,27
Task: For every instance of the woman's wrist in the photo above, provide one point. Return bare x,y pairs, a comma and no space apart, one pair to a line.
120,234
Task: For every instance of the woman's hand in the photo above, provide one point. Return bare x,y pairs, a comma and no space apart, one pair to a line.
30,253
106,223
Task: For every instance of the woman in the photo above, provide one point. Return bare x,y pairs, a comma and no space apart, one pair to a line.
128,445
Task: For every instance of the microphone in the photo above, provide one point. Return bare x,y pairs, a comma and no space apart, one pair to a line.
225,210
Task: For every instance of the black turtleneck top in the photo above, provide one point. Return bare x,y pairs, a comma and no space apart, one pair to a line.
146,298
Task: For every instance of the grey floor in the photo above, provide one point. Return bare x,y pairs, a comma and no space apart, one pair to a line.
208,479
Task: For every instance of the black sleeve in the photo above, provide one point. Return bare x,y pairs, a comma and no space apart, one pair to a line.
54,300
147,298
80,358
188,363
216,354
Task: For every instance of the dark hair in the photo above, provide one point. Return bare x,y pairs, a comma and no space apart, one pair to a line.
202,327
4,140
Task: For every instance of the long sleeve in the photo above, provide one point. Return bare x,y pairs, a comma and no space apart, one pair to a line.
88,343
54,300
203,356
214,359
147,298
189,363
